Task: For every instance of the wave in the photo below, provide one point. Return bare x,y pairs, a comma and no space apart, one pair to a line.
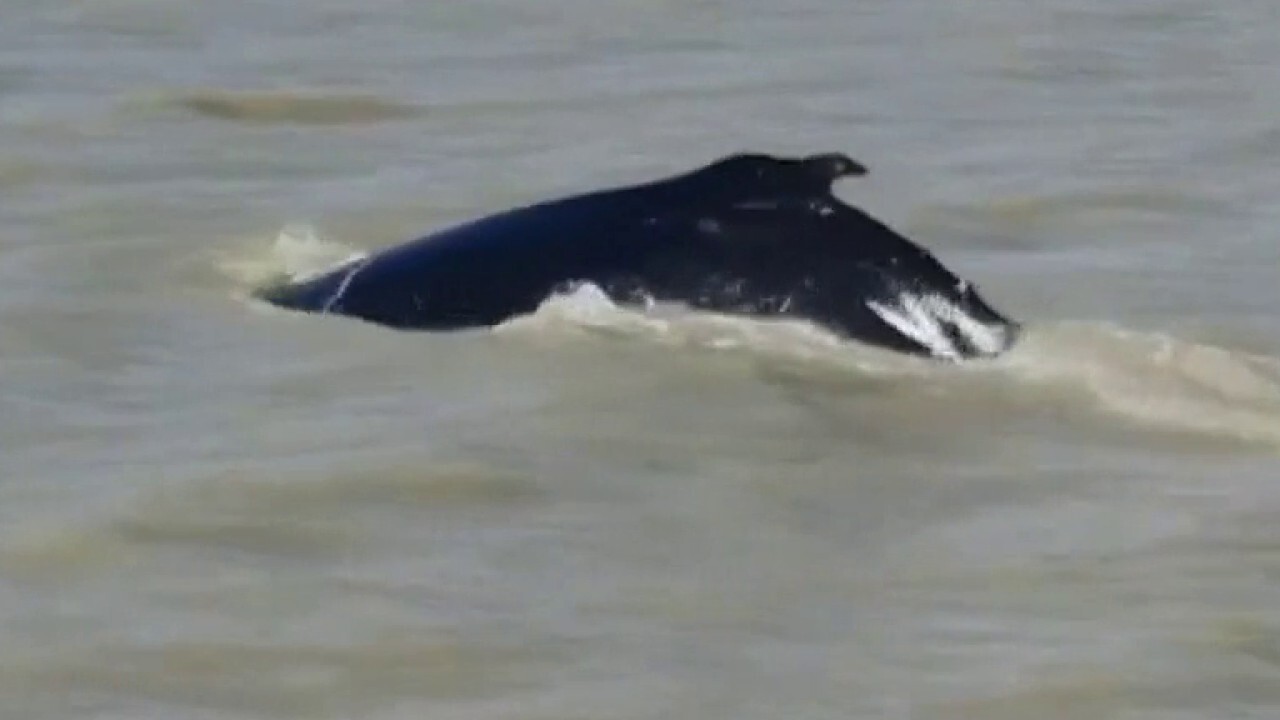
1149,380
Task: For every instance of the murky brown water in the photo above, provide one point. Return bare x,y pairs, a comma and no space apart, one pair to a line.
212,510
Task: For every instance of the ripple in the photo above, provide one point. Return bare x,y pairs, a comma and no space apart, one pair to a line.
1011,217
304,517
278,536
289,680
1098,692
400,485
274,108
15,173
1252,637
1088,696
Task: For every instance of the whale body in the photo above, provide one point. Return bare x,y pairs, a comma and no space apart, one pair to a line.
748,234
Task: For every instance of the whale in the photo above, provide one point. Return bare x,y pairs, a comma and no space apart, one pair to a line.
748,234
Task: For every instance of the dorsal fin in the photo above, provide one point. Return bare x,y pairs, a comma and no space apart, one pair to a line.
756,173
835,166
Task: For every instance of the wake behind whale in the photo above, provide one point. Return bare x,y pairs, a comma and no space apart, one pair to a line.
749,234
1101,379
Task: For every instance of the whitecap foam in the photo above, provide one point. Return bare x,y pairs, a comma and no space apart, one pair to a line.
586,308
1155,380
1149,380
303,254
297,253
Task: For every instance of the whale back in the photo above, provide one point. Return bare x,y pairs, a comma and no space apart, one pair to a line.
748,233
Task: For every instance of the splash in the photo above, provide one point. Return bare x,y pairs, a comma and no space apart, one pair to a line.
296,254
587,309
1154,381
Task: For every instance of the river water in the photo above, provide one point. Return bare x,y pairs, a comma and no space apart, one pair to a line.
210,509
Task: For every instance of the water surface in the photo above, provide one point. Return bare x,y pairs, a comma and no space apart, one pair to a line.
209,509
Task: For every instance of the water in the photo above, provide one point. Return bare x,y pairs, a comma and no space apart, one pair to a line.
209,509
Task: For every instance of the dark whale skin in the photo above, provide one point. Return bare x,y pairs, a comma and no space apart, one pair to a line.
748,234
